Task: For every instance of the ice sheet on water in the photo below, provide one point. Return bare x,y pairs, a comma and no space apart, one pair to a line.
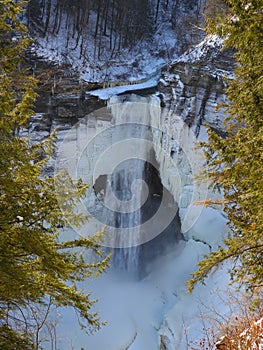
107,93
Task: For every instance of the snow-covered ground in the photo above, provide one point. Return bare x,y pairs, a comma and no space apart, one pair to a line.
200,51
138,312
206,51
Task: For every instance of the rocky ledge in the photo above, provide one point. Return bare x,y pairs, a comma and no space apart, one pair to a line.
62,98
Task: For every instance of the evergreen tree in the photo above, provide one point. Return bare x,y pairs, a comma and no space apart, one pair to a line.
36,263
235,163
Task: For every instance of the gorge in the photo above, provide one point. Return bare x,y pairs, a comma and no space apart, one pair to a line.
134,143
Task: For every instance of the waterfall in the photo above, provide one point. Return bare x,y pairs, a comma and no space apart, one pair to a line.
125,188
139,160
140,208
115,150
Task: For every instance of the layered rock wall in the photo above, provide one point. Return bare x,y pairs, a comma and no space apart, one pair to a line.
194,85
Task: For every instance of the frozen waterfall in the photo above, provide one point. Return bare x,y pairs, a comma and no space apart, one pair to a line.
126,186
136,206
140,161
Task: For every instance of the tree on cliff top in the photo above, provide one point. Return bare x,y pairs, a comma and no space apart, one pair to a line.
38,266
235,163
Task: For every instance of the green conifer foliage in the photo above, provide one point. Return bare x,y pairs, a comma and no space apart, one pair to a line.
36,264
235,164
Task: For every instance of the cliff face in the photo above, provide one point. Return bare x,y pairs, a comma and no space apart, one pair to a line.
61,100
191,88
195,83
191,85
